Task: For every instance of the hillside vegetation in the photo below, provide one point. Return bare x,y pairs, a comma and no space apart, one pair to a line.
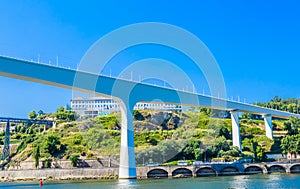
162,137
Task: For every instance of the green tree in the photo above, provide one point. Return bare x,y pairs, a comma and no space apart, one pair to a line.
276,99
48,162
74,160
246,116
61,109
229,154
207,111
292,126
36,155
40,112
290,104
222,148
165,151
261,154
169,150
77,139
222,144
225,132
253,149
93,138
63,114
52,145
192,149
290,144
32,115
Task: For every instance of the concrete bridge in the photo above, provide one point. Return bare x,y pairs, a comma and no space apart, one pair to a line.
127,94
216,170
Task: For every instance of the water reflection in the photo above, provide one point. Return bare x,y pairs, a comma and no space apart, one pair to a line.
126,183
238,182
273,181
278,181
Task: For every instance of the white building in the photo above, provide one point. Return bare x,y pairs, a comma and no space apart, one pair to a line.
96,106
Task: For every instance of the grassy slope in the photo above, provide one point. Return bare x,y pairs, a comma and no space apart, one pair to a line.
101,136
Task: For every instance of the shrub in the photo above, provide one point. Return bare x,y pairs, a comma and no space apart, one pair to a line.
22,146
77,139
74,160
48,162
36,155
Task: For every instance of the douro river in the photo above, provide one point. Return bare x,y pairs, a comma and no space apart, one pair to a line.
273,181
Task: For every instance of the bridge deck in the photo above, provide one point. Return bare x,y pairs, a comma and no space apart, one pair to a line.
104,85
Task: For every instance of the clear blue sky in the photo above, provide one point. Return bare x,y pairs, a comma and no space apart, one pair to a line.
256,43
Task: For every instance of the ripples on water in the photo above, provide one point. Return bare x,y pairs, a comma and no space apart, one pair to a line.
280,181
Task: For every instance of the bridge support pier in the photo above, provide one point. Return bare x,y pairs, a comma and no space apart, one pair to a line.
269,126
236,137
127,169
6,147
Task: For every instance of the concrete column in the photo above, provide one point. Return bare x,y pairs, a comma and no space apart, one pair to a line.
236,137
269,126
6,147
127,169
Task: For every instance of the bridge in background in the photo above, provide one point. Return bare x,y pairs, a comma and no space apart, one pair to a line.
128,93
8,120
28,121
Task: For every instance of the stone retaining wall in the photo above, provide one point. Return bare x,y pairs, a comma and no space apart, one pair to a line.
143,172
65,164
58,174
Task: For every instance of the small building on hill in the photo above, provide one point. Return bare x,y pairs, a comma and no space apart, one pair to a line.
97,106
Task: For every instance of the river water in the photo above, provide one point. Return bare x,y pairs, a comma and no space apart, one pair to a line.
273,181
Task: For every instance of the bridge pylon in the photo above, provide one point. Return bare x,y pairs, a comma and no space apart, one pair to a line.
269,126
127,167
6,147
236,136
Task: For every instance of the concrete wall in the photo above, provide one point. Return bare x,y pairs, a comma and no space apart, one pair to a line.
57,173
66,164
